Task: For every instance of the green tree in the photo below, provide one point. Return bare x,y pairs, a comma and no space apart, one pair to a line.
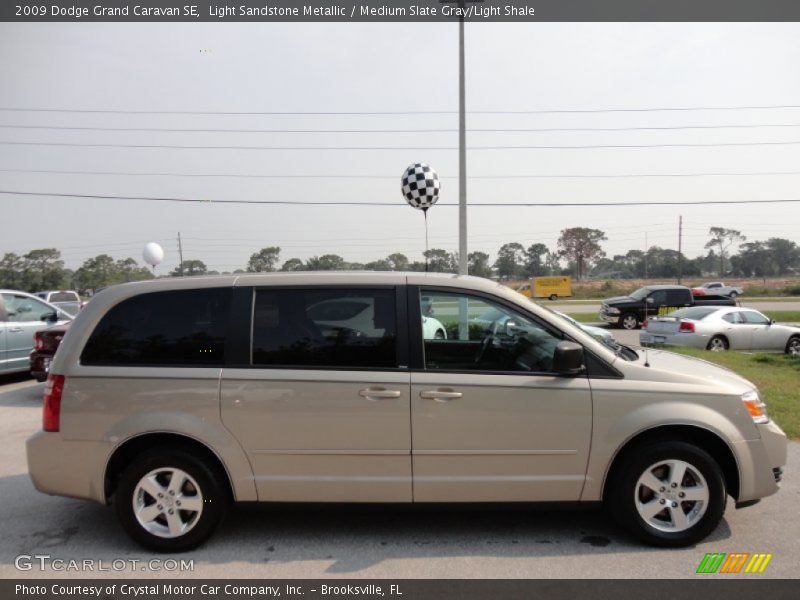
190,268
721,240
441,261
581,246
293,264
43,269
264,260
11,266
510,261
377,265
95,273
478,264
535,260
326,262
397,262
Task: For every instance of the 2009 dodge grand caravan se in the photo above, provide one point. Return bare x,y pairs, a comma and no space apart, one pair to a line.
173,398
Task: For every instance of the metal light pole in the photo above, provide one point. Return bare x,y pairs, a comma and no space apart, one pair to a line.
462,153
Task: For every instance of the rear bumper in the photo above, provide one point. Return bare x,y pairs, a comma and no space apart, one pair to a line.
691,340
40,365
67,468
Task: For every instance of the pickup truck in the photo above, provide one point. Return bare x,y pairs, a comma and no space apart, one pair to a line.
717,288
653,300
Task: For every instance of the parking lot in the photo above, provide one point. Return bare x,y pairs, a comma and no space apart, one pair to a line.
369,542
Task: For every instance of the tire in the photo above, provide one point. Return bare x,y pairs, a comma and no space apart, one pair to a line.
734,296
552,297
718,343
629,497
439,335
793,346
203,489
629,321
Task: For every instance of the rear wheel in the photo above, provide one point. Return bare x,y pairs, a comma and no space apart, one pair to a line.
734,295
793,345
718,343
170,501
553,297
668,493
439,335
629,321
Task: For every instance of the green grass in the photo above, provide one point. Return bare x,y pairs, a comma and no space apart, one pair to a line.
583,317
776,375
783,316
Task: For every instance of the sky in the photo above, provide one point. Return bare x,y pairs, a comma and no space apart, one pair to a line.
517,76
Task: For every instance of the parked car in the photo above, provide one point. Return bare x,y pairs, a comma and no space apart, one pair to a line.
45,344
721,329
717,288
604,335
66,300
171,398
21,316
653,300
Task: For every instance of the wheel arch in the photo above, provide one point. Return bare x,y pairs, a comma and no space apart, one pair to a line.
704,438
132,447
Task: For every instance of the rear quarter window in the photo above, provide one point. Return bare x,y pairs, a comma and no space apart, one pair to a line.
182,327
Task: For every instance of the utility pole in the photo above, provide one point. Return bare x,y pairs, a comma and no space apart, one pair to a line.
680,246
462,152
645,255
180,255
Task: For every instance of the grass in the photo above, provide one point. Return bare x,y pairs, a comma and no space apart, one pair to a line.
776,375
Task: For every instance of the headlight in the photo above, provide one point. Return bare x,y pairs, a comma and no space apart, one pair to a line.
611,310
756,408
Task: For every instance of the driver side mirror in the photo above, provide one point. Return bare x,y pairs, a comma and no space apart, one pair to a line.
650,300
50,317
568,359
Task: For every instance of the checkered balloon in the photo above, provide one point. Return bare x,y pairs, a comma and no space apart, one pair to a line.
421,186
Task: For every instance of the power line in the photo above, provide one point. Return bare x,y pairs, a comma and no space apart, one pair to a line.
374,148
361,177
396,204
427,130
400,112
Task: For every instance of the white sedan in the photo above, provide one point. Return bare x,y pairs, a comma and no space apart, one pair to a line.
720,329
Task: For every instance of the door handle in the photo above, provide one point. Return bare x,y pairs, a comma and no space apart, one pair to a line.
379,394
440,395
15,329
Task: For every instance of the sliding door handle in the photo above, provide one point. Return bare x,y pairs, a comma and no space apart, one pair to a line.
379,394
440,395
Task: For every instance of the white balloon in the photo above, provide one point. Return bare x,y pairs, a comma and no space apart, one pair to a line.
153,254
420,186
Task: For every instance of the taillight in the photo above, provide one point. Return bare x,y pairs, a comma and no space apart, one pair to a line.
51,412
38,342
644,325
687,327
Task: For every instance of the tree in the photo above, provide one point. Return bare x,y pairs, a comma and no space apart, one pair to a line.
264,260
397,262
11,266
293,264
326,262
535,260
478,264
376,265
784,255
581,246
510,260
721,240
42,269
190,268
441,261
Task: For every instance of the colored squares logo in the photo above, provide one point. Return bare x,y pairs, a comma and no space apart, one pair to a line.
736,562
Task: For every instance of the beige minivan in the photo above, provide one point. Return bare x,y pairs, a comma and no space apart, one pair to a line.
173,398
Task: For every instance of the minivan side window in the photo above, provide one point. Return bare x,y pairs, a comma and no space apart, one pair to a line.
490,338
180,327
325,328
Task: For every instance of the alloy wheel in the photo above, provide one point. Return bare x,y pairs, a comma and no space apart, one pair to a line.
671,496
167,502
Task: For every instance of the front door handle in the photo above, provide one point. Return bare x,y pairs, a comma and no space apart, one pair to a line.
379,394
440,395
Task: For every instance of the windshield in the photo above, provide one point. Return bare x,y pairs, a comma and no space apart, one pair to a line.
640,294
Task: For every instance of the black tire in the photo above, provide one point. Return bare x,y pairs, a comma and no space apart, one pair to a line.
793,346
622,493
439,335
212,488
552,297
734,295
718,343
629,321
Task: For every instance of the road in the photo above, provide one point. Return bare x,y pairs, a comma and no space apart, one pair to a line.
576,307
371,542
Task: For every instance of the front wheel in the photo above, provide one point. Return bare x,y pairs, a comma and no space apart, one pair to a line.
170,501
553,297
717,343
793,345
629,321
734,295
668,494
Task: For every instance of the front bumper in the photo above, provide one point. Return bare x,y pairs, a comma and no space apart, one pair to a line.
67,468
761,462
608,318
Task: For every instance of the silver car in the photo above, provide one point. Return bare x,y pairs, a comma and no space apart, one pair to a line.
170,399
721,329
21,316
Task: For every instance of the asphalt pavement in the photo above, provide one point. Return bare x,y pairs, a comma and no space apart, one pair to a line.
367,541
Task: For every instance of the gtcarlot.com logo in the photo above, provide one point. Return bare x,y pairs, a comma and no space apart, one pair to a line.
737,562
